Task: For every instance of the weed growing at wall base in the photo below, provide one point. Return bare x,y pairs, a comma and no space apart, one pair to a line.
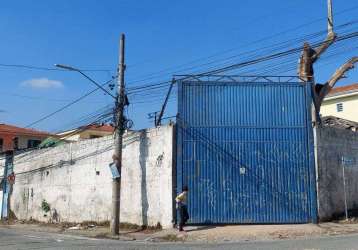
45,206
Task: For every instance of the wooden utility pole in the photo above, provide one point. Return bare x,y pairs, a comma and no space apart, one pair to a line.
120,128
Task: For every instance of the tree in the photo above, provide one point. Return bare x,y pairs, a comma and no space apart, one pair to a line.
310,55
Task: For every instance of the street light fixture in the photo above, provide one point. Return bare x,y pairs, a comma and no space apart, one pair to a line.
66,67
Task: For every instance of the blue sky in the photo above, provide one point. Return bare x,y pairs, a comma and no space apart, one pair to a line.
161,37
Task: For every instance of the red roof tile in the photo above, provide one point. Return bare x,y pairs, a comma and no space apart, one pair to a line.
10,129
103,128
343,89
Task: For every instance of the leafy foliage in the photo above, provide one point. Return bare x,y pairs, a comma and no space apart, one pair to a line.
45,206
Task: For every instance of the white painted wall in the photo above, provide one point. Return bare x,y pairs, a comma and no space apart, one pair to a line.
2,164
76,181
1,195
350,110
83,135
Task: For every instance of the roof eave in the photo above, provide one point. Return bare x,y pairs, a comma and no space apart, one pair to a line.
340,95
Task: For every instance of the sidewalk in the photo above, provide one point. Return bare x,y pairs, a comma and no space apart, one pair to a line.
239,233
208,234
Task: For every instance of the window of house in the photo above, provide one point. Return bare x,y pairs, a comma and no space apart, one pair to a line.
339,107
33,143
94,136
1,144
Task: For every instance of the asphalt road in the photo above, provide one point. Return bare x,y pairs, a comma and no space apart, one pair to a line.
18,239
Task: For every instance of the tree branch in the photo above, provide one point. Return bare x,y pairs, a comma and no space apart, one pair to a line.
309,56
331,37
335,78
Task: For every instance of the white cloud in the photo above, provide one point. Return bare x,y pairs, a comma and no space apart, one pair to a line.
42,83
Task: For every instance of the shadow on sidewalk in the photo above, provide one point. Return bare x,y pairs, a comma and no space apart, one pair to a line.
200,228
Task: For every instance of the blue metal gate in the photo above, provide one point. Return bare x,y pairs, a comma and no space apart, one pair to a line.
245,150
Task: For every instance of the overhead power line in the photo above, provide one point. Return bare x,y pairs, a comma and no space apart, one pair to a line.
281,65
87,118
254,53
67,105
164,84
23,66
167,70
40,98
277,55
87,126
290,65
273,56
279,46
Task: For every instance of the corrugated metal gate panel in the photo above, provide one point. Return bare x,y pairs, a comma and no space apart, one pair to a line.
244,151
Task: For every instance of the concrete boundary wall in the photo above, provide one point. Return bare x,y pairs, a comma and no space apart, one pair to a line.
2,164
337,147
75,180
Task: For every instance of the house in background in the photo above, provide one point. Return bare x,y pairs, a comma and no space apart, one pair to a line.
342,102
15,138
87,132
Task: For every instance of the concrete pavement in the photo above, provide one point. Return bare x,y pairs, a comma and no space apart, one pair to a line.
23,239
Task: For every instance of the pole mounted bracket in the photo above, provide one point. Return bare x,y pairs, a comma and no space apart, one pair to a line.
158,121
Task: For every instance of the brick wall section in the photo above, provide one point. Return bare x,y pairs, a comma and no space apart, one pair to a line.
76,181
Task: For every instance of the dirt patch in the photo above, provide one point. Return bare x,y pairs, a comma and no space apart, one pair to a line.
12,215
129,226
87,228
172,238
133,228
91,223
7,222
63,225
353,220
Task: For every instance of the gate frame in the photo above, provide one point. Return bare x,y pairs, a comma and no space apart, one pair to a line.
272,80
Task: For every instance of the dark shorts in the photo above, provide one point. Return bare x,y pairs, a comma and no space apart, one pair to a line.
184,215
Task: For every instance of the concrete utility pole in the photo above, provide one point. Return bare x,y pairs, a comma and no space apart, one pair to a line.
120,127
310,56
319,91
330,16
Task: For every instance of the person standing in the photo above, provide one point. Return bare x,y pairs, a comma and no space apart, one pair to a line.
181,201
